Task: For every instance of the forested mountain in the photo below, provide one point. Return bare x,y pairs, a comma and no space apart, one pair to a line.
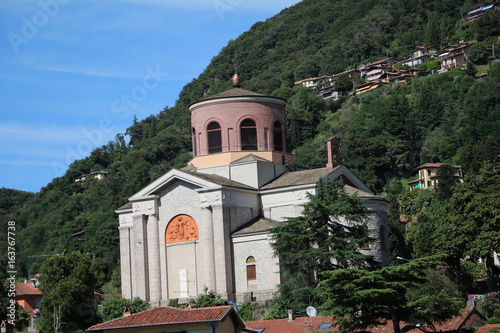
452,117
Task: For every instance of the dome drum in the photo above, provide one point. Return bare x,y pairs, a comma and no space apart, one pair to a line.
253,123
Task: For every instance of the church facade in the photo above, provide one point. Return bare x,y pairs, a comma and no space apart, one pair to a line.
206,227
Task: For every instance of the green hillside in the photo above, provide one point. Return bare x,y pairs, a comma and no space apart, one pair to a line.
452,117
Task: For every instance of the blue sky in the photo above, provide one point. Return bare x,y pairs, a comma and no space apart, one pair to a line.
73,73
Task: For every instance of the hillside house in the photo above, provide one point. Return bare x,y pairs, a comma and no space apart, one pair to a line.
362,88
96,174
423,50
454,56
373,71
414,61
427,176
402,75
317,82
329,93
479,10
28,296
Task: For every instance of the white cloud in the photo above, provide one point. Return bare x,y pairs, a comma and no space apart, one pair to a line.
21,132
90,72
254,5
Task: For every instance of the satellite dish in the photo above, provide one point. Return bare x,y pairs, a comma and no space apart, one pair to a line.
311,311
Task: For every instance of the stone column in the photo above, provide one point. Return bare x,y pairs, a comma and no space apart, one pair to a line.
222,252
154,260
141,258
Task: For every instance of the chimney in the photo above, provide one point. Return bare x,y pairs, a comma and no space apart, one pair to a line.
333,151
127,312
291,317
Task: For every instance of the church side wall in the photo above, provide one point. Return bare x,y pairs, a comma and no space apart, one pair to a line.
266,268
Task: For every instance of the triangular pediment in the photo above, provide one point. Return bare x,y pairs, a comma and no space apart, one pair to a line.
200,180
172,176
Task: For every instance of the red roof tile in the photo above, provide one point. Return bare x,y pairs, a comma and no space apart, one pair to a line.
299,325
165,315
26,289
434,165
488,328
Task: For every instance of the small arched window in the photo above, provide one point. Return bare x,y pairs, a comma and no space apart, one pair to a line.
251,271
277,136
195,143
248,135
214,138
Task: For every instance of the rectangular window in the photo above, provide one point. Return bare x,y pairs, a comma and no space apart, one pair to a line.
251,272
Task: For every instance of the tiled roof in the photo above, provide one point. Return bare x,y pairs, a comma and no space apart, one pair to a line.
360,193
434,165
235,92
298,325
306,324
165,315
255,226
128,205
299,178
26,289
488,328
219,180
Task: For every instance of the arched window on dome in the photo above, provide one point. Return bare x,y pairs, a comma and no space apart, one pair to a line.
277,136
248,131
195,143
214,138
251,271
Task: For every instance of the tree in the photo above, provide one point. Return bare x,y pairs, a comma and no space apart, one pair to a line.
208,299
489,306
446,181
114,307
68,284
343,83
470,69
327,236
406,295
469,222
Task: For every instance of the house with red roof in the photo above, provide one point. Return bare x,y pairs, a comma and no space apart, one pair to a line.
28,296
218,319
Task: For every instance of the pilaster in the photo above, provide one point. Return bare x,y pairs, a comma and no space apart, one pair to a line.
141,270
153,257
125,262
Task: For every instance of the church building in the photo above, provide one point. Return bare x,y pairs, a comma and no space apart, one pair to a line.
206,226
